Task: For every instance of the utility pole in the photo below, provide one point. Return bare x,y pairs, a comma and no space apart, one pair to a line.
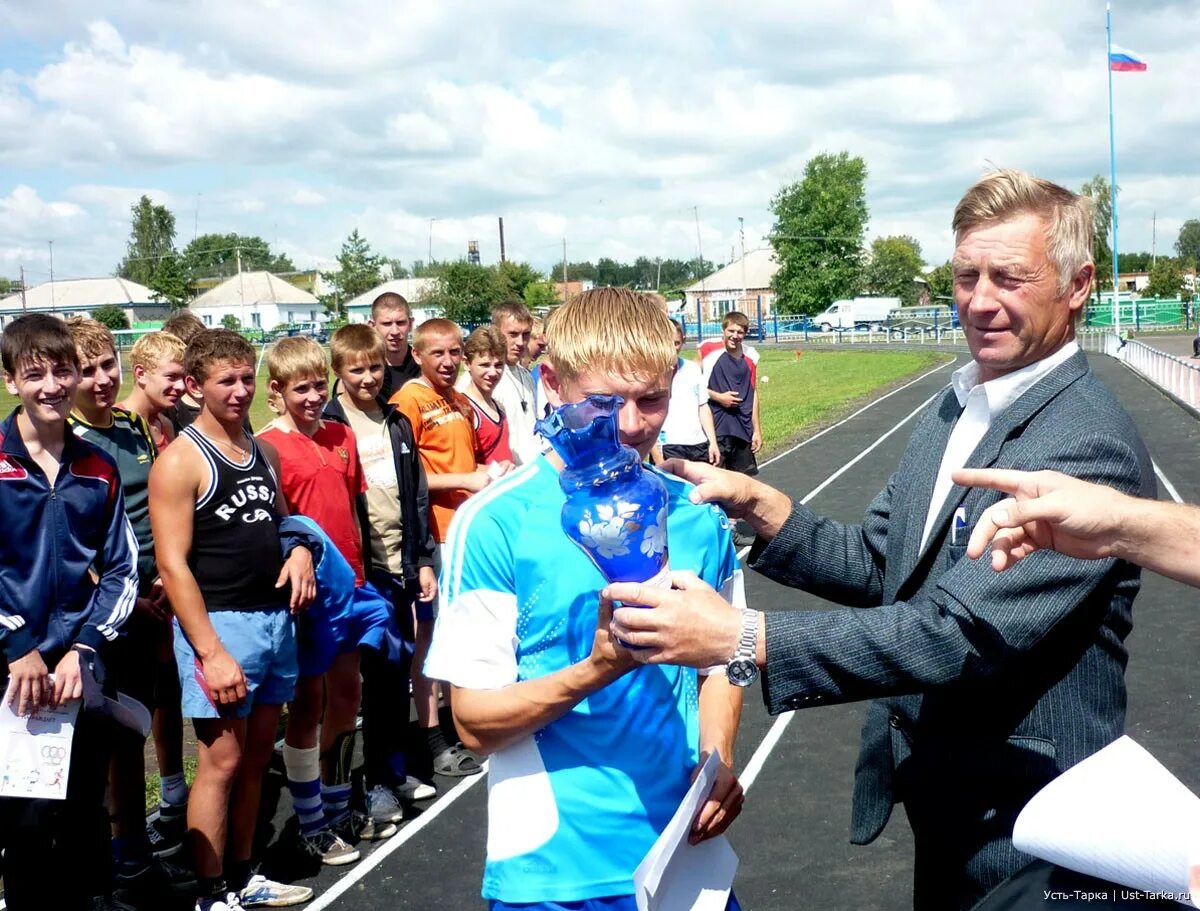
23,304
658,280
742,234
1153,239
564,269
429,262
241,284
51,243
699,266
501,238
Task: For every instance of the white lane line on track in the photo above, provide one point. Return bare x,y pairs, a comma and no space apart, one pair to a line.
768,743
1165,483
375,858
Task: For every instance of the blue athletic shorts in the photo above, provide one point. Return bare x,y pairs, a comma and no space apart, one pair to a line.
608,903
341,624
263,642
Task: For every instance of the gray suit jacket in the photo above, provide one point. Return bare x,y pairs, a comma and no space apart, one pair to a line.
986,684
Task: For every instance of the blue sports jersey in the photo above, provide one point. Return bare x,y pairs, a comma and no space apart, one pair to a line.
573,809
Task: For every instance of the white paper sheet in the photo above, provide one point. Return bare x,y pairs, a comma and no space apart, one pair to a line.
35,751
1120,816
676,876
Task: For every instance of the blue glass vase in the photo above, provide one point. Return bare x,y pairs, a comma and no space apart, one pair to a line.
615,511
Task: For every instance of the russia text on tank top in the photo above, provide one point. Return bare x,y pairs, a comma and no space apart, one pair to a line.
235,553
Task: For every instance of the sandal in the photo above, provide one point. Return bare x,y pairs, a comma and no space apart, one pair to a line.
457,762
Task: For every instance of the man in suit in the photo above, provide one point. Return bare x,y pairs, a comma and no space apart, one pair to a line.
984,685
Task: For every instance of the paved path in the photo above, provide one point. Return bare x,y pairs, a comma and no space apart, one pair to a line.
792,836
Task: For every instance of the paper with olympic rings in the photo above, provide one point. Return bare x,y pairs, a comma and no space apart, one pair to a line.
35,751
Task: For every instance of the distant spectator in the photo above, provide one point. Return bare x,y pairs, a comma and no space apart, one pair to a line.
391,317
484,353
688,431
158,383
185,326
514,391
134,658
731,374
156,360
537,344
394,514
441,419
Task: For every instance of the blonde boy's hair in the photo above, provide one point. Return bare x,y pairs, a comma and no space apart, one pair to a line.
486,340
295,358
354,341
155,348
432,327
92,338
613,330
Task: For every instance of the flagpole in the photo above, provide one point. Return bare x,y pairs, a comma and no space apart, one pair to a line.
1112,154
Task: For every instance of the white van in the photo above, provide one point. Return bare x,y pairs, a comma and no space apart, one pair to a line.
859,313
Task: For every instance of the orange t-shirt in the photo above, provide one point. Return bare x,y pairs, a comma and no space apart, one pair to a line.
446,441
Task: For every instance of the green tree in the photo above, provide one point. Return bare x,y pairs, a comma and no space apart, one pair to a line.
217,255
150,256
466,292
1188,244
1099,190
941,281
520,276
112,316
358,271
170,282
1166,279
894,265
1138,261
540,296
151,238
7,286
818,233
399,270
229,321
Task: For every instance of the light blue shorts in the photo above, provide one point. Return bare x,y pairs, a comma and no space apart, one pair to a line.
337,625
264,644
609,903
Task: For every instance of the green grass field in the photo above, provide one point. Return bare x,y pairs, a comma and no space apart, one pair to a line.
803,390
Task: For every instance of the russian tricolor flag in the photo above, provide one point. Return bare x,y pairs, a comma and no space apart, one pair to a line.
1121,61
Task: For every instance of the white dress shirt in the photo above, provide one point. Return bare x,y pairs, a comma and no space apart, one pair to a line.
981,403
514,392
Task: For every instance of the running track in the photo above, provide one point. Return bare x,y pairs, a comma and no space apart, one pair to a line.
798,768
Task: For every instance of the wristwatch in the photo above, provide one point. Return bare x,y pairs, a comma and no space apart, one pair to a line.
742,669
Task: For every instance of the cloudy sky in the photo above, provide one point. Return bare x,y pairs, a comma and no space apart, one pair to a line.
602,122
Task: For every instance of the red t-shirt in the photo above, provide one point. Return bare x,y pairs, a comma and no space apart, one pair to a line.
491,435
319,478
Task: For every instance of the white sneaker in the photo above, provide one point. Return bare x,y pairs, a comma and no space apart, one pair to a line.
415,789
231,902
261,892
382,805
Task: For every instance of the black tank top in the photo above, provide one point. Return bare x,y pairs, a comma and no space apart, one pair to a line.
235,553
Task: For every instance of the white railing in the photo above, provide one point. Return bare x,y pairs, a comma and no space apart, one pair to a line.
1174,375
1101,342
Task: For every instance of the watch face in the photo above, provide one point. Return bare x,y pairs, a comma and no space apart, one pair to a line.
741,671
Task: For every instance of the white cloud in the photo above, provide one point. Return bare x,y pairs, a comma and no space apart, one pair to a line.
301,121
